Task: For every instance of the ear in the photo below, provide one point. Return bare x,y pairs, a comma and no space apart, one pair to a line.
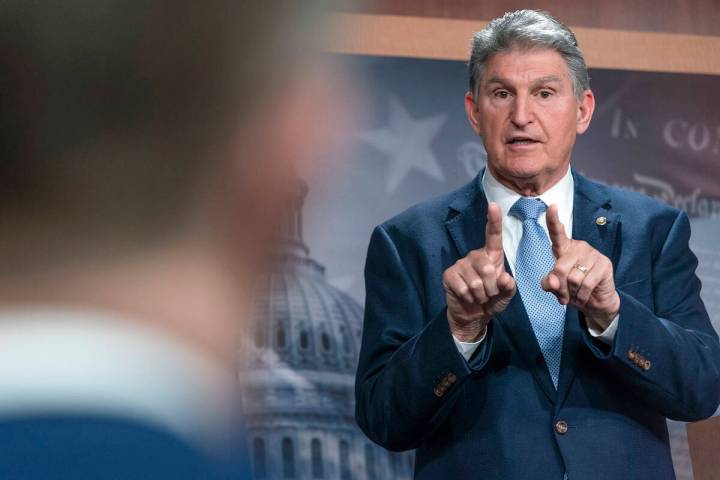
472,111
586,107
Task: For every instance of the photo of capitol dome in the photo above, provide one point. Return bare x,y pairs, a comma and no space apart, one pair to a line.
298,367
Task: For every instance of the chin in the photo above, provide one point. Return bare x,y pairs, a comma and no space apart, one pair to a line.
523,168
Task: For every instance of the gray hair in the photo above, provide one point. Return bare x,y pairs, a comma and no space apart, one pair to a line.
527,29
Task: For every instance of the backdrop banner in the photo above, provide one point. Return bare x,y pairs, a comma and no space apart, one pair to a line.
657,133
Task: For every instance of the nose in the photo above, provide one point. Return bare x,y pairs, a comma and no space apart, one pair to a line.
521,111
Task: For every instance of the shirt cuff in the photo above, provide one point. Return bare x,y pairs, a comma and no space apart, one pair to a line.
608,335
466,349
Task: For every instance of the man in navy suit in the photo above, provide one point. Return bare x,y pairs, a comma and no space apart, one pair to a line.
533,323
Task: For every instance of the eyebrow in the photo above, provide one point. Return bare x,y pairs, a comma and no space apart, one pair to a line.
536,82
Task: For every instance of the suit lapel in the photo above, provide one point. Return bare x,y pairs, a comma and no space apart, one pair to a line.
591,204
467,229
466,223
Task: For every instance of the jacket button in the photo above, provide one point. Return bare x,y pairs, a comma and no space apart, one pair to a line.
561,427
646,365
439,391
631,355
451,377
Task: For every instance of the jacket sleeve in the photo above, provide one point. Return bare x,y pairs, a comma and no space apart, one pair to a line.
668,355
410,373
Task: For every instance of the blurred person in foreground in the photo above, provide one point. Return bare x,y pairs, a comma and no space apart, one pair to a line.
534,324
146,150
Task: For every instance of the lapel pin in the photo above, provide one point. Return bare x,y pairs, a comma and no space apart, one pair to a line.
600,221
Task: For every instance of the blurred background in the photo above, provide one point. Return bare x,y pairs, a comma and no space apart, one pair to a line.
654,68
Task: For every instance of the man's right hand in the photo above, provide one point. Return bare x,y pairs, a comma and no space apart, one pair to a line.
477,287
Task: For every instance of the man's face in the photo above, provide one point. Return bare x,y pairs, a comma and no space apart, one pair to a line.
527,114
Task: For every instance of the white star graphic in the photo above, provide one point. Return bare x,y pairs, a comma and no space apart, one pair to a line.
406,142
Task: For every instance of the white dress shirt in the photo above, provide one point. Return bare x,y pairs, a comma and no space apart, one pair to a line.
562,194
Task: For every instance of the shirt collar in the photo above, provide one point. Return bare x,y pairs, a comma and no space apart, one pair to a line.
561,194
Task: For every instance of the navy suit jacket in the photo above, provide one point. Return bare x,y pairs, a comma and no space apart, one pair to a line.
499,418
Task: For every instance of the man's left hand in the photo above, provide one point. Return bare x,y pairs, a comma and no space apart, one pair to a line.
582,276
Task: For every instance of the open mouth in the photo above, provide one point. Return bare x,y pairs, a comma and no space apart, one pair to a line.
520,140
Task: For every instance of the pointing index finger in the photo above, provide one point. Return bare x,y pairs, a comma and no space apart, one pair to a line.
493,229
556,229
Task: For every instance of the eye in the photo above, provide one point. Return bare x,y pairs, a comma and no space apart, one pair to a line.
545,94
502,94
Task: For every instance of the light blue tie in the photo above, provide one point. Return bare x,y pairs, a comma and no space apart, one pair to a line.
534,261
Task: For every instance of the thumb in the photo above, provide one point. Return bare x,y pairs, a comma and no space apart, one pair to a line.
506,284
550,282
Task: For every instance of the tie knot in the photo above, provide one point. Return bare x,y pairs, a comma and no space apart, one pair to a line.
528,208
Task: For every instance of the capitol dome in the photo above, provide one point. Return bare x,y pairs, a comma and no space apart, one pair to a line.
309,324
298,363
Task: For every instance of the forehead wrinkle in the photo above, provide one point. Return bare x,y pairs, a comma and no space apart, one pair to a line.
535,82
547,79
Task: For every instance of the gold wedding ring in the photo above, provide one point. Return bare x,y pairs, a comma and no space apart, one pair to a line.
582,268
